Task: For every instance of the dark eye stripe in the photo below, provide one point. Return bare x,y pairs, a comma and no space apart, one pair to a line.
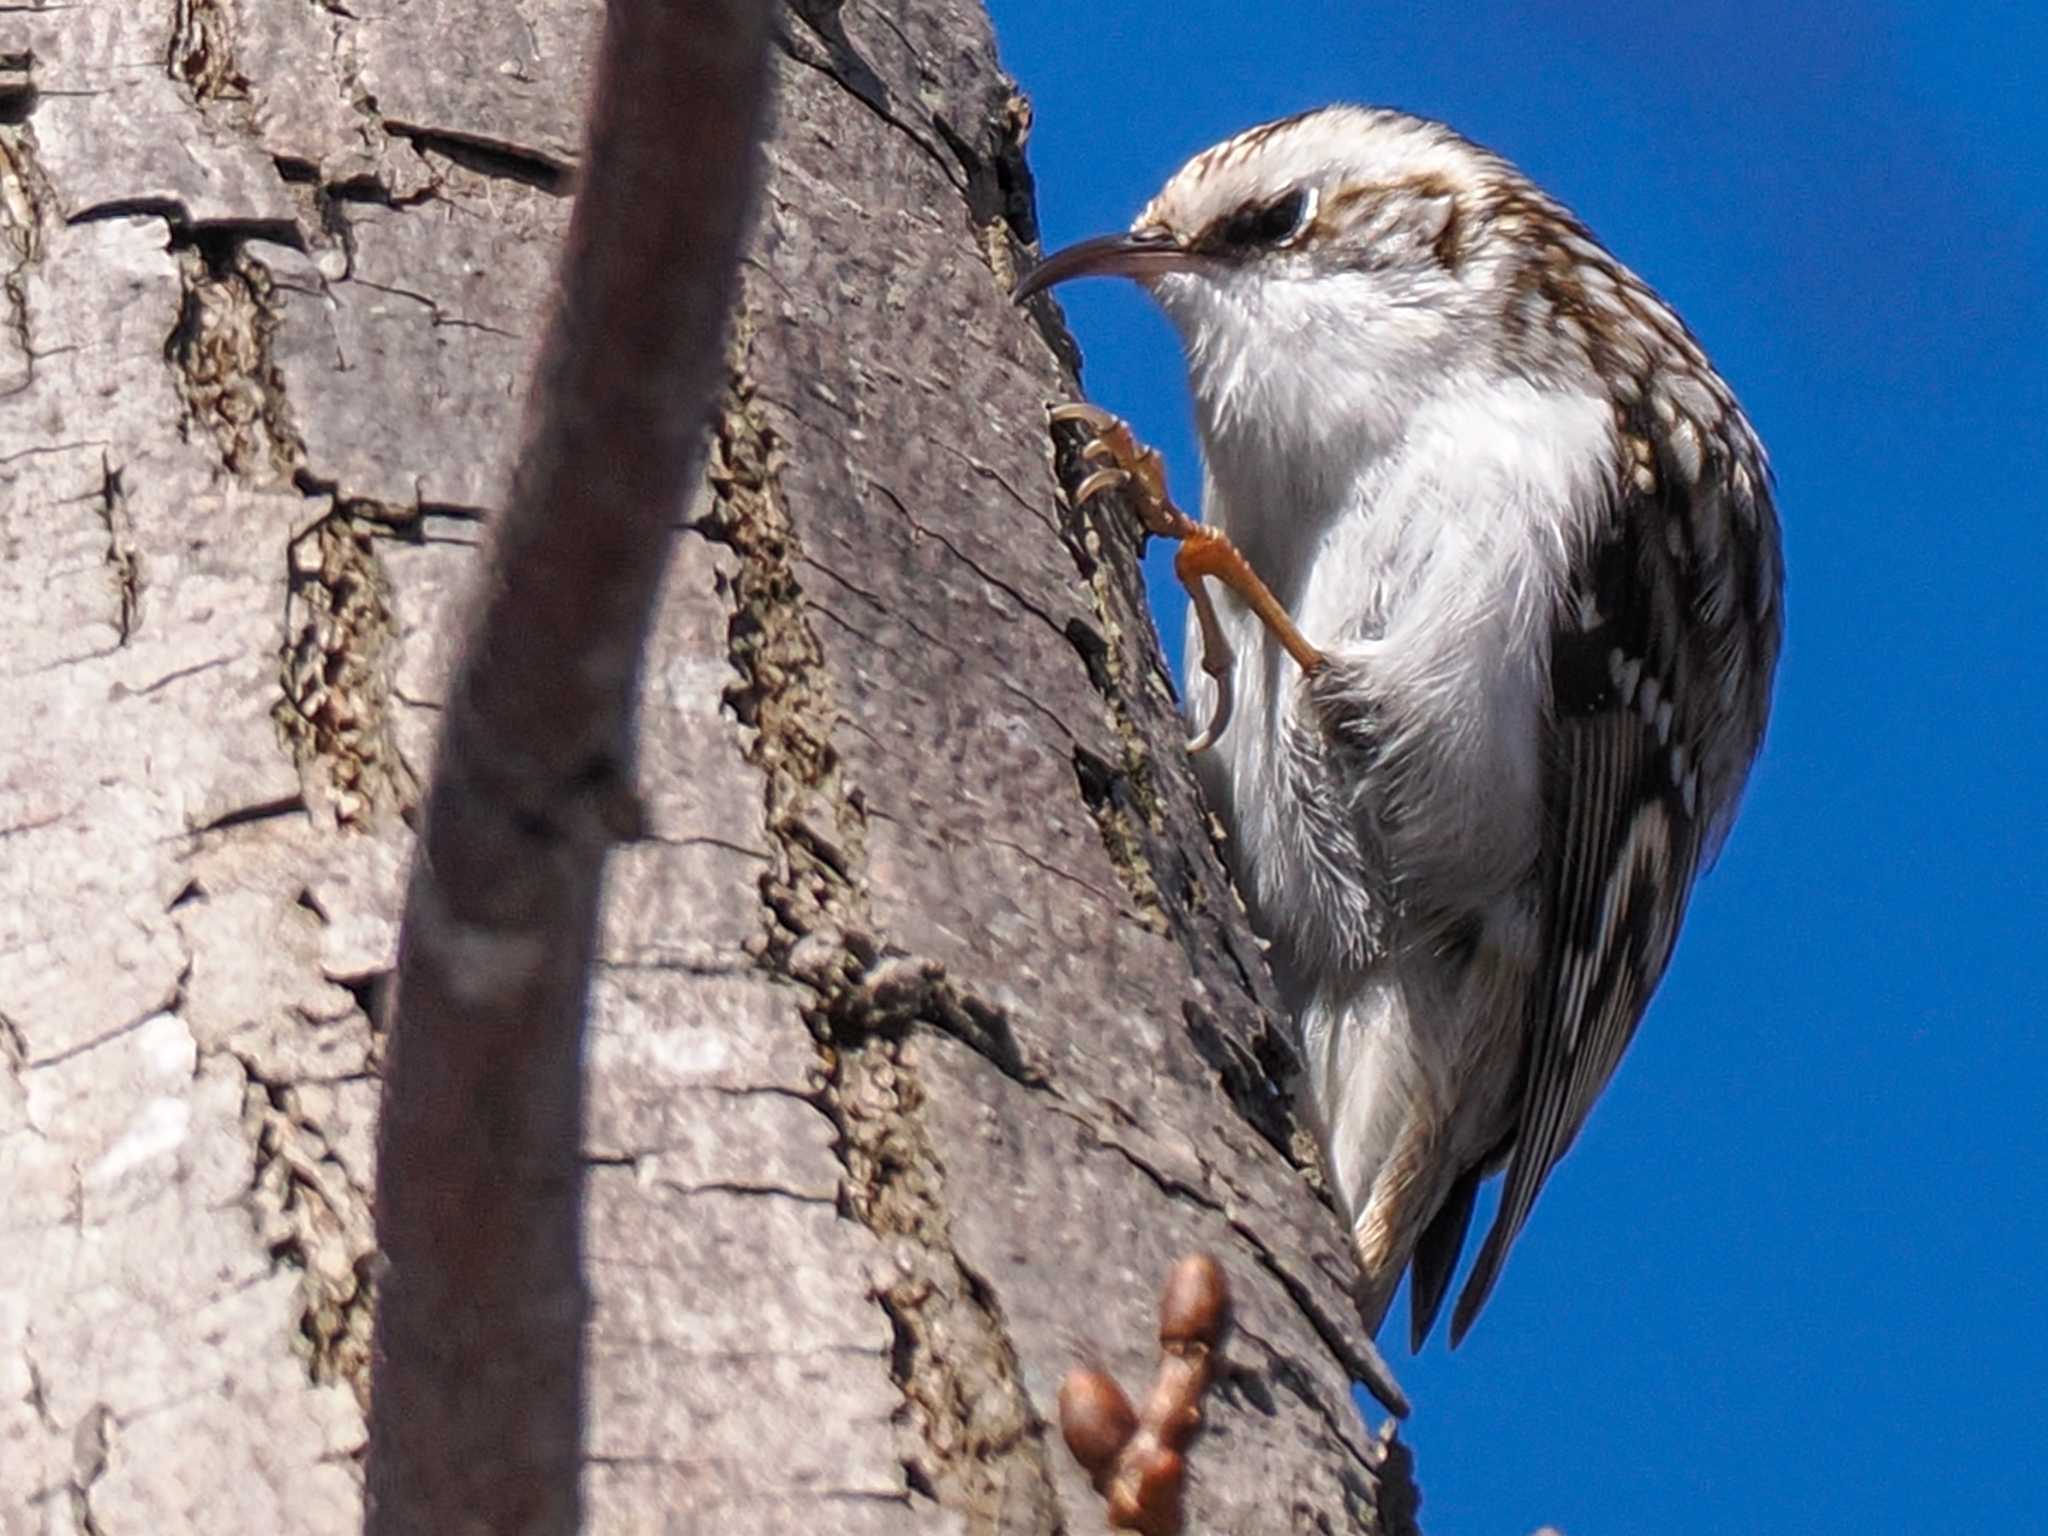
1265,225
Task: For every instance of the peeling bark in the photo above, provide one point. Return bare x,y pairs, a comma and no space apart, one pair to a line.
924,1031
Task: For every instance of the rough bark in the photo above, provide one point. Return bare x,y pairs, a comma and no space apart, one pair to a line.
925,1032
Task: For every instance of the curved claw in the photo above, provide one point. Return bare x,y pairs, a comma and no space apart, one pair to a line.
1217,661
1219,719
1080,410
1101,480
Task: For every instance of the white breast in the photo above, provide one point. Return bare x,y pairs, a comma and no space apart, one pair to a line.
1430,566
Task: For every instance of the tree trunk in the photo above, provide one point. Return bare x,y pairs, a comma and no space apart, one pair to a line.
926,1031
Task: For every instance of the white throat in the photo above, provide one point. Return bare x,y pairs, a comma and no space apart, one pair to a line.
1317,399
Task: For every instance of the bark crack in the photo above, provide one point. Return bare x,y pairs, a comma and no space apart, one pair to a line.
19,93
221,355
26,200
743,1191
336,671
314,1218
170,1003
436,315
92,1449
980,570
13,1045
497,158
1128,800
848,584
972,1442
244,815
1361,1364
124,560
200,54
1002,196
845,66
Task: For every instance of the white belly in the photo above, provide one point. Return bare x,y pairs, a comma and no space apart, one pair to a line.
1433,582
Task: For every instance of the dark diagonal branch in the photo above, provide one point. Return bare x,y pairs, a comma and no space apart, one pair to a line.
477,1399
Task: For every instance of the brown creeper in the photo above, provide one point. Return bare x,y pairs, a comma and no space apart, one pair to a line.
1505,659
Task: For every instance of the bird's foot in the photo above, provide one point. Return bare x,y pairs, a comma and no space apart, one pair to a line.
1124,464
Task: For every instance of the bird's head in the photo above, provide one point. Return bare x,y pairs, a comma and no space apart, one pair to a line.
1327,272
1348,248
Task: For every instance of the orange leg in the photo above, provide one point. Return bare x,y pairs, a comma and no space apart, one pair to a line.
1204,552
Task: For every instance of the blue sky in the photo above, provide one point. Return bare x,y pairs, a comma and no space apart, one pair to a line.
1792,1278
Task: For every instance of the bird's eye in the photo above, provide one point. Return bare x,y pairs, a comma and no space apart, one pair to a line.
1269,224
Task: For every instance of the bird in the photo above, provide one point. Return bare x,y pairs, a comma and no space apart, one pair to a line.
1491,659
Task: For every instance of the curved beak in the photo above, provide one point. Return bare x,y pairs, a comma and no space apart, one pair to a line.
1146,255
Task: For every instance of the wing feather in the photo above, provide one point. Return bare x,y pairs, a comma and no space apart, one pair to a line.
1436,1255
1622,840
